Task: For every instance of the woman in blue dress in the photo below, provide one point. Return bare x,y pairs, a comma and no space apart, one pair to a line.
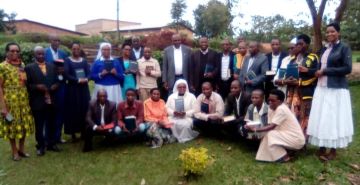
77,95
130,74
107,74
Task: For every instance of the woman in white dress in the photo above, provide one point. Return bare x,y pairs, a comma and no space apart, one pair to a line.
331,122
180,108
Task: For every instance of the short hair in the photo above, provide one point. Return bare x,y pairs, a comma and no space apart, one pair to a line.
206,83
279,94
101,90
135,38
237,82
7,47
130,90
259,91
75,43
154,89
275,38
305,38
336,25
125,44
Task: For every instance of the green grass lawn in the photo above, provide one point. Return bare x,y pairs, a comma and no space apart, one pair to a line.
129,163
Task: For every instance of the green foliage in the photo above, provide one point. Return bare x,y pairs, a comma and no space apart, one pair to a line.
350,25
27,53
7,22
177,10
213,19
194,160
158,55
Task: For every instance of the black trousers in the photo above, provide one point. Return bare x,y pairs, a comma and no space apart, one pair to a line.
45,118
224,88
212,127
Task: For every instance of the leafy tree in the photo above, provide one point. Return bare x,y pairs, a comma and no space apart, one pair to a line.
213,19
177,11
7,22
351,23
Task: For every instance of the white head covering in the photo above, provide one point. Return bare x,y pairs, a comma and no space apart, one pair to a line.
180,81
293,41
99,54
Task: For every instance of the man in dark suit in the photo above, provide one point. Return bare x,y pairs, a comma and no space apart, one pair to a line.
274,58
176,63
42,83
236,104
137,51
252,74
226,71
204,68
100,118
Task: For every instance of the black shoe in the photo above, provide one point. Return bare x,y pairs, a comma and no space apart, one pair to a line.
40,152
53,148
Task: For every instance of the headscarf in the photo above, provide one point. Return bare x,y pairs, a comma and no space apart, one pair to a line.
180,81
99,54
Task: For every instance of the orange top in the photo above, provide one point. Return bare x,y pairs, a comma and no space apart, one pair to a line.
156,111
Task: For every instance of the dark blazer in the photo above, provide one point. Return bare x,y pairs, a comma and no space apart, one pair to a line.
231,65
339,64
259,66
133,56
281,57
35,77
197,68
93,116
168,66
231,106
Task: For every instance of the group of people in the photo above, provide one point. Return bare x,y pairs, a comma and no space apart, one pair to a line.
239,91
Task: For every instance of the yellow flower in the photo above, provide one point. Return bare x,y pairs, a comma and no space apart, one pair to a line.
194,160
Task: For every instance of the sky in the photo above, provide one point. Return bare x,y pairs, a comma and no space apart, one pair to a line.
68,13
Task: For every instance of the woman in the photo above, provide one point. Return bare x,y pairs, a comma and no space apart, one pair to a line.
155,115
77,93
330,122
17,122
180,108
107,74
130,74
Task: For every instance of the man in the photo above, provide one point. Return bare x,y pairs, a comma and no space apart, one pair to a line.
239,40
137,51
149,71
55,55
306,83
239,59
100,118
284,131
131,110
226,60
208,109
176,63
204,68
236,104
42,85
274,58
252,74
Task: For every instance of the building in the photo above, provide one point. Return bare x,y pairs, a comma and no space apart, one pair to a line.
28,26
139,30
95,27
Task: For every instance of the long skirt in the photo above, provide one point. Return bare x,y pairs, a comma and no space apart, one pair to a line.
182,130
330,122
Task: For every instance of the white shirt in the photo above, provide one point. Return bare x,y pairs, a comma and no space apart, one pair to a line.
251,61
137,53
274,62
54,53
238,104
178,61
102,107
225,71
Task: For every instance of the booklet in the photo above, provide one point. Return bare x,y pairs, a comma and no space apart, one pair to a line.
251,75
133,66
130,123
292,70
108,65
179,105
80,73
204,108
229,118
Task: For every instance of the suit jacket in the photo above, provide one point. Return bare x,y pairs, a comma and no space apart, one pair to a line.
133,56
168,65
35,77
259,67
281,57
231,105
93,116
198,68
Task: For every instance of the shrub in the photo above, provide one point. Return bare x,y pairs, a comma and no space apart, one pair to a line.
194,160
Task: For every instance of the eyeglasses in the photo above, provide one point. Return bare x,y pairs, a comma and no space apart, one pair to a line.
15,51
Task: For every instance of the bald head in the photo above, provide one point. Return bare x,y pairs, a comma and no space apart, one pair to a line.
101,96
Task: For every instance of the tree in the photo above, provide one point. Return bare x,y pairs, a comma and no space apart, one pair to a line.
177,11
7,22
317,18
350,25
213,19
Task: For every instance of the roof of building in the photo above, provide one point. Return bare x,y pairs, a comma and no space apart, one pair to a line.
143,28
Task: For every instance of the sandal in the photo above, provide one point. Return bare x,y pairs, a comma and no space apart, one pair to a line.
23,154
16,157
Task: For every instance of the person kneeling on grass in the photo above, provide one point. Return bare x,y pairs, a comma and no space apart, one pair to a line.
256,115
209,110
157,120
101,119
130,114
284,131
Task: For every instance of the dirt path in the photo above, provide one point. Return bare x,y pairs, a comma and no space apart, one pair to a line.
355,73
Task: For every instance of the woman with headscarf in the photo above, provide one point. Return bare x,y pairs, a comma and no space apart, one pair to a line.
330,122
180,108
107,74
